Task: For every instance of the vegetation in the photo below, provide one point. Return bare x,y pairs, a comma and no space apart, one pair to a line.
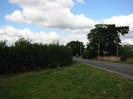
89,53
127,50
25,56
104,39
125,62
77,81
77,47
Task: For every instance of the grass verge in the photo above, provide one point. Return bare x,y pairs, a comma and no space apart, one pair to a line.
125,62
77,81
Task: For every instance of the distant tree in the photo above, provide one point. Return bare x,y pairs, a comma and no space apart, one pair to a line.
88,52
22,42
77,47
104,39
126,50
2,44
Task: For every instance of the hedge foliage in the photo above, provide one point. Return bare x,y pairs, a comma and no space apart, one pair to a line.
25,56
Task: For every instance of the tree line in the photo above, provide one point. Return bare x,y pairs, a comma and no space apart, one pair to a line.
26,56
103,40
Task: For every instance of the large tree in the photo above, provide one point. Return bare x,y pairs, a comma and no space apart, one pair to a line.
77,47
104,39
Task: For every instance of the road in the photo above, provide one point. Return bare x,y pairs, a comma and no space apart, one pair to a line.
122,69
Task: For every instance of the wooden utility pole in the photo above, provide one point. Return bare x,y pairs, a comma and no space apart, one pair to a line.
80,49
117,48
99,47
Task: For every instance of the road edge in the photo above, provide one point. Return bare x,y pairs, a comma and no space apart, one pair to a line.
95,66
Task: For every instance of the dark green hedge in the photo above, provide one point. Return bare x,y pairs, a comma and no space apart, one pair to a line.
25,56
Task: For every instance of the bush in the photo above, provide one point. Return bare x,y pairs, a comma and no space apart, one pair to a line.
25,56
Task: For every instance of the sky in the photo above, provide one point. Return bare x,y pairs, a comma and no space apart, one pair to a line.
48,21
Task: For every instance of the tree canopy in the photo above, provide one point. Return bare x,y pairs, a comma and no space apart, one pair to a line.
77,47
104,39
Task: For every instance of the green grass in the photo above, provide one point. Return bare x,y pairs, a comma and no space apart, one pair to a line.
125,62
77,81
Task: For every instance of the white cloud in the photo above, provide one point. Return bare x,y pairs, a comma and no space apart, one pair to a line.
128,38
123,20
16,16
58,14
50,13
11,34
74,37
120,20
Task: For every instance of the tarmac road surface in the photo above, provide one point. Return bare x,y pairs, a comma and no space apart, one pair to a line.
122,69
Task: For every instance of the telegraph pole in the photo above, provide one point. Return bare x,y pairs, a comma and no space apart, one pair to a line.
80,49
99,47
117,48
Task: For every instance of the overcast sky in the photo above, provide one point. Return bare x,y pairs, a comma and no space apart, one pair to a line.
64,20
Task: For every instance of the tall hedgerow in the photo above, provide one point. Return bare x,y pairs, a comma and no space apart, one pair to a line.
25,56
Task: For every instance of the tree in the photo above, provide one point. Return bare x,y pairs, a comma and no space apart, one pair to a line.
127,50
77,47
88,52
22,43
2,44
104,39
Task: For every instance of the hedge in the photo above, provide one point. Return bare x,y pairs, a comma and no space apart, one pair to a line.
25,56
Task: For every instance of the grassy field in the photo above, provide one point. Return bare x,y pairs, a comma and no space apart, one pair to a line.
77,81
